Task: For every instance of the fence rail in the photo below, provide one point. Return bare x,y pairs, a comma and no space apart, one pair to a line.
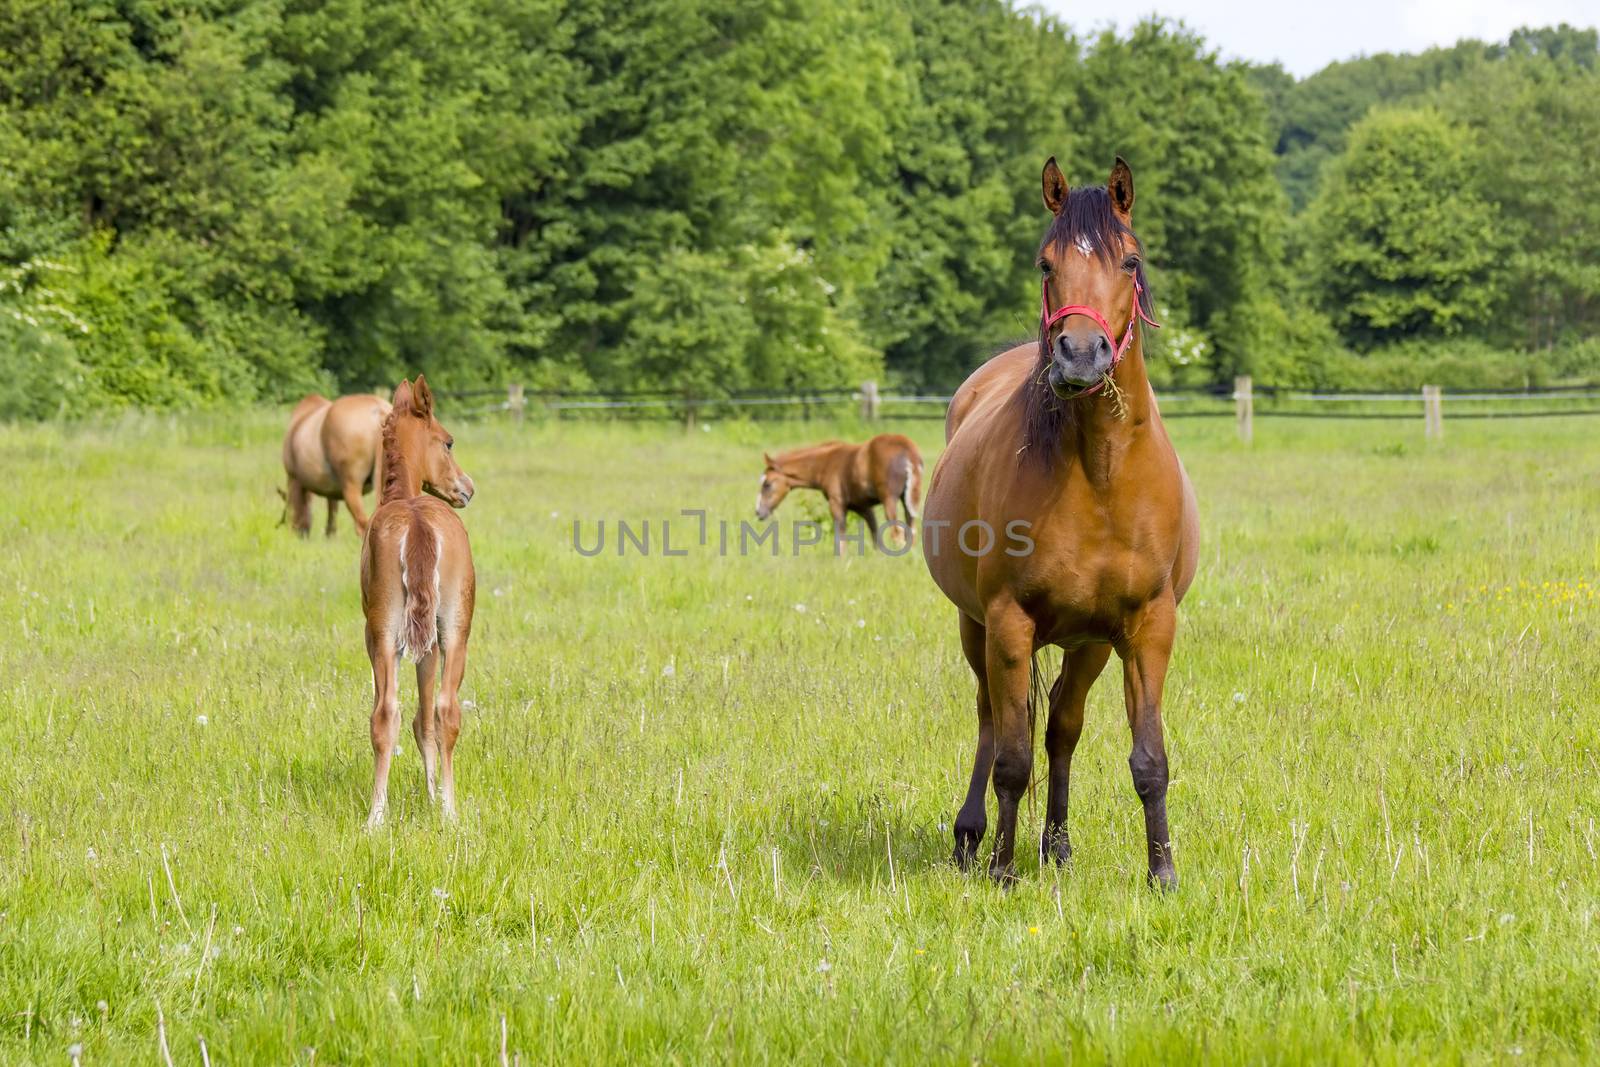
1244,402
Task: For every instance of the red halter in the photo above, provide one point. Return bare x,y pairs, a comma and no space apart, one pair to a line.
1049,319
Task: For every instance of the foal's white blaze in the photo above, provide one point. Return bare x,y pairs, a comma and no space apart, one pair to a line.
1085,247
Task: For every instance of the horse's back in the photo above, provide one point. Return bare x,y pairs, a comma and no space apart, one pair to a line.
303,458
354,426
884,450
997,377
352,433
385,550
973,408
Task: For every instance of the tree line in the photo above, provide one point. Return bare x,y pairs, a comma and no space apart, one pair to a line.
224,201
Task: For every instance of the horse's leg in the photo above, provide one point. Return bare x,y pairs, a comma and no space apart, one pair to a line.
1144,672
422,727
840,515
1008,655
1078,671
891,519
449,725
333,516
385,718
299,508
872,523
350,489
972,820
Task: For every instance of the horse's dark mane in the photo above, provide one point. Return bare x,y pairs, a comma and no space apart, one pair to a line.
1086,218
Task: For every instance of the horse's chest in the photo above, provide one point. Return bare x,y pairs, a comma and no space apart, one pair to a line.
1094,580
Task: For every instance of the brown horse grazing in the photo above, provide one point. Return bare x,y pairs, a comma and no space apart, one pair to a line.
854,478
417,591
1064,436
332,450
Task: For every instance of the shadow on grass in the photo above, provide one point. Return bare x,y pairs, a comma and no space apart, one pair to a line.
860,847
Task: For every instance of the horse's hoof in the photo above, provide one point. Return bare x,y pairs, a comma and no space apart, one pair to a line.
1055,848
967,842
1164,879
1003,874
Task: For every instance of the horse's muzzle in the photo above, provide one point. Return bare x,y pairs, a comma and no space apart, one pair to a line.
1076,363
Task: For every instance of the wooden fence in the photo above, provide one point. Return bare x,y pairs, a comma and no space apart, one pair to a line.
1245,403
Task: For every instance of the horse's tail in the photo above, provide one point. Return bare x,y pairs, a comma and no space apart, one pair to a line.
1038,697
911,487
419,577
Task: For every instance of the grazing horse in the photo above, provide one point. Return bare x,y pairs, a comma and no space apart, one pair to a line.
332,450
417,591
854,478
1064,437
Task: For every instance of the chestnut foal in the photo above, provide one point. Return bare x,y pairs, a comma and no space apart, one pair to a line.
417,589
885,470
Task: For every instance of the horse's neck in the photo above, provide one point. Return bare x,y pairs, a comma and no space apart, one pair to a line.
1114,418
806,468
399,480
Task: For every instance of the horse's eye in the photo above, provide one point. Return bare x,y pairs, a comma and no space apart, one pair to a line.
1044,268
450,445
1130,264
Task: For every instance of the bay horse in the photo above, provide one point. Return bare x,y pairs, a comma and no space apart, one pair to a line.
332,450
855,478
417,592
1064,436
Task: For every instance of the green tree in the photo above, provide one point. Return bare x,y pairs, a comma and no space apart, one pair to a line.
983,114
1401,243
1195,131
1548,199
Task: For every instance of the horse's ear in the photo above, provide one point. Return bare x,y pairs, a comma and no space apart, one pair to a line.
402,397
1055,187
767,459
421,399
1120,186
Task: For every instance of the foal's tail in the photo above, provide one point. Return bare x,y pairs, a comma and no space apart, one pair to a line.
911,484
419,576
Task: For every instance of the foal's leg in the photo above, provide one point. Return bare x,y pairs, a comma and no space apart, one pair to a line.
423,726
840,515
1078,671
1008,655
385,718
972,820
449,726
872,523
891,520
333,516
1144,672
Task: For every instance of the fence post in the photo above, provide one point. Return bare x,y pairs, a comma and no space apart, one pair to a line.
1432,412
516,403
869,400
1244,407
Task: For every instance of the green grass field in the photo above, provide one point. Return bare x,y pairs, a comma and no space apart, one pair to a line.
705,801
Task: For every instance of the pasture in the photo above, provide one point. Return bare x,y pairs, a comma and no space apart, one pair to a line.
706,800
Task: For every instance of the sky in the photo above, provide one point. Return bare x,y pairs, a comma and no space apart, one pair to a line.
1307,37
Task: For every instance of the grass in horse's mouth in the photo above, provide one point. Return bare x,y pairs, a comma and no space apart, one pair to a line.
1119,402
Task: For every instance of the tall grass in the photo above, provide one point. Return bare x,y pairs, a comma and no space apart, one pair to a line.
706,799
